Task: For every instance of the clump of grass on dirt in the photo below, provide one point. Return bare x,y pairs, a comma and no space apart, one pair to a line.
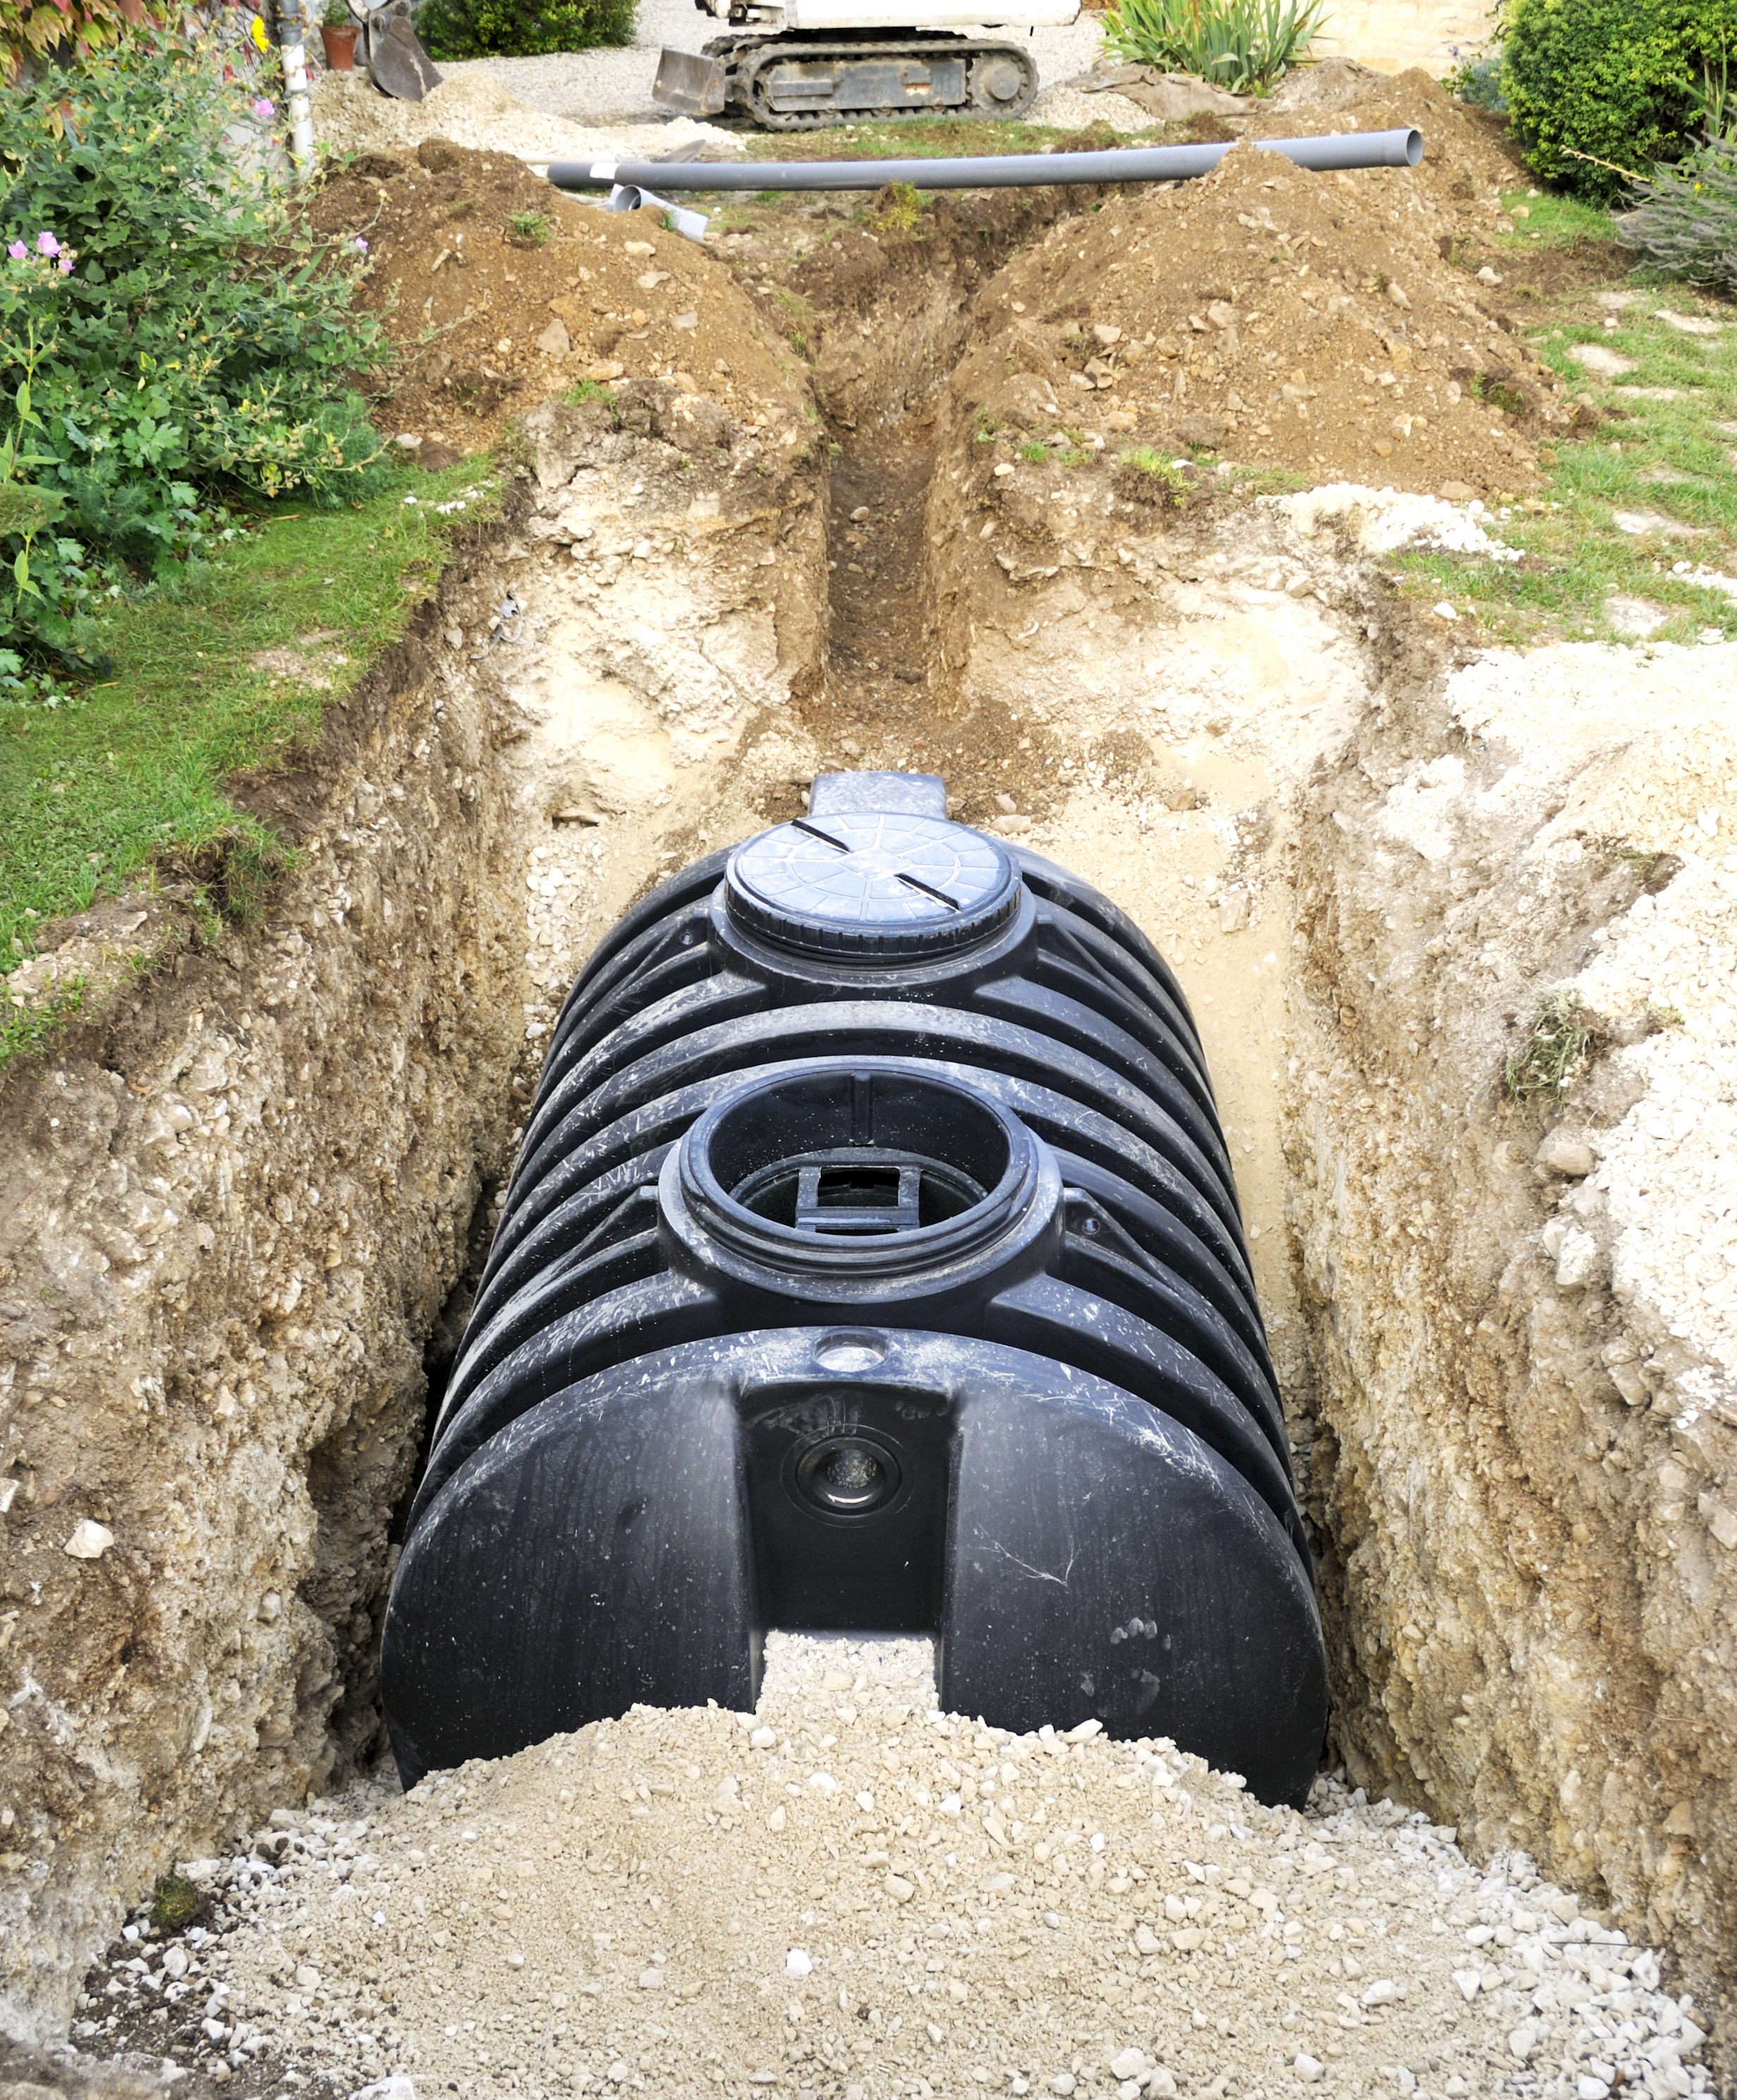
529,229
1542,216
937,138
1157,480
901,208
175,1903
115,779
1553,1053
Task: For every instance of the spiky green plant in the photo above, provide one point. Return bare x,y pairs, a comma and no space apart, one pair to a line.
1241,45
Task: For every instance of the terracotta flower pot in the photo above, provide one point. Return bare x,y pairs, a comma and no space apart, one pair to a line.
340,46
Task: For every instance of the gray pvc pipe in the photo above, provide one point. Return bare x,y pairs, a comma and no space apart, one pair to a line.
1121,164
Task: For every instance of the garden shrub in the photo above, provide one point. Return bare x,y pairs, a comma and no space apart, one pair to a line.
1477,80
169,337
1686,219
1600,90
521,29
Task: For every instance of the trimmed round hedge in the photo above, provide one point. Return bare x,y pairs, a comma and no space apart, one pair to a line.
1601,89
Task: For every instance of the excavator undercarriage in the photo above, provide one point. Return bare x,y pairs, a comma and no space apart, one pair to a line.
794,81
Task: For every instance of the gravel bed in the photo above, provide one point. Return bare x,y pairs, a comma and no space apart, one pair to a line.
1072,109
850,1893
600,101
472,109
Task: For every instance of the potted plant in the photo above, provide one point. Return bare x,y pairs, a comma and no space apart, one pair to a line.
338,32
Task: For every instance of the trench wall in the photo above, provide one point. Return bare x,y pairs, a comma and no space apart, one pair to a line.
1503,1324
1523,1383
229,1223
241,1204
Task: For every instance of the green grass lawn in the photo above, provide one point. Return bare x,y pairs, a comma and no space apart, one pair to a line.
1631,511
98,789
1553,221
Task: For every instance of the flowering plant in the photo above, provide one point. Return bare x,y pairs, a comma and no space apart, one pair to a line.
47,258
1685,218
179,339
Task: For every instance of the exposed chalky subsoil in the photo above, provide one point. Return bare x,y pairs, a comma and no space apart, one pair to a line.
850,1893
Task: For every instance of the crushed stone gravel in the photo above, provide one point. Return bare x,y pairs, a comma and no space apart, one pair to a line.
471,109
851,1893
577,105
1381,520
1074,109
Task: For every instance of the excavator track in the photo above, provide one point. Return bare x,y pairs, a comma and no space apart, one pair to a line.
791,83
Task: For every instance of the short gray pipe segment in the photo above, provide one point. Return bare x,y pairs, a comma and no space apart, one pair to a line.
1124,164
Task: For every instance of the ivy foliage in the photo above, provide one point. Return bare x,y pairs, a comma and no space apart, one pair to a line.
34,30
170,339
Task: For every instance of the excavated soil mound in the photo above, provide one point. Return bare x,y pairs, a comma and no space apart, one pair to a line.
1289,319
491,316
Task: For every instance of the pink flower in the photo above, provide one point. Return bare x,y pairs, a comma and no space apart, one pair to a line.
263,109
18,251
360,244
47,244
66,266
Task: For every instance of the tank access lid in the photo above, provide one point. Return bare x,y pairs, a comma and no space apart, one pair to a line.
879,884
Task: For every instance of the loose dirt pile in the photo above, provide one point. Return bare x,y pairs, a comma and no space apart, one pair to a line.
1310,322
499,292
850,1893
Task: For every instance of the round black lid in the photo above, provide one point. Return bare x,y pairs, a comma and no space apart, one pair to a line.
872,883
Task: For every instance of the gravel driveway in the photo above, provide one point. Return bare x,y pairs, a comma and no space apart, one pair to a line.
614,86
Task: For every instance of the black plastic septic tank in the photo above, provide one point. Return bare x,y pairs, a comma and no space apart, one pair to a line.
872,1262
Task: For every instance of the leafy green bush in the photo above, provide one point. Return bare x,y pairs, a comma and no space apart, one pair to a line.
1686,221
168,336
1600,90
1241,45
521,29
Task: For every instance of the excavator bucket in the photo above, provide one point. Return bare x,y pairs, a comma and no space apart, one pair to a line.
397,63
690,84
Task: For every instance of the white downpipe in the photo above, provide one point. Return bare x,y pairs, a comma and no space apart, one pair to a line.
293,51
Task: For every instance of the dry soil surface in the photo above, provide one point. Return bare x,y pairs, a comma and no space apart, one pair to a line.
492,316
1289,319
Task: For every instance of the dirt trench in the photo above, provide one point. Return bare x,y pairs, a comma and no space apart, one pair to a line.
237,1250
